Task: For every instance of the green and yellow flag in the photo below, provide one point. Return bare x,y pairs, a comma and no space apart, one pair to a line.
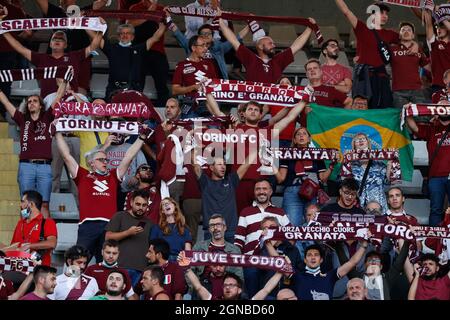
336,127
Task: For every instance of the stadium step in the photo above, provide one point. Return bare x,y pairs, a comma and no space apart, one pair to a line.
9,162
9,192
5,237
4,130
6,146
9,207
8,223
8,178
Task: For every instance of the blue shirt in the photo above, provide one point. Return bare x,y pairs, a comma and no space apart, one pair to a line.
174,238
319,287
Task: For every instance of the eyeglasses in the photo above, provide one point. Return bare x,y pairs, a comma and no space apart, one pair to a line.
122,33
230,285
102,160
216,225
374,261
145,169
360,140
206,34
349,194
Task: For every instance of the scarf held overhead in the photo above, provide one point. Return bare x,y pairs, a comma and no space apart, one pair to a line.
84,23
237,91
16,264
364,155
130,110
203,258
69,125
426,4
240,16
415,110
35,73
442,14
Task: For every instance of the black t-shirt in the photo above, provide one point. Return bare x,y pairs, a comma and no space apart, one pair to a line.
294,180
76,39
335,207
125,62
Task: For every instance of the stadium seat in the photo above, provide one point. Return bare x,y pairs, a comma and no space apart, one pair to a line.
68,200
100,61
149,88
297,66
175,55
25,88
342,59
420,153
328,32
419,208
98,85
283,35
67,236
248,39
414,186
352,40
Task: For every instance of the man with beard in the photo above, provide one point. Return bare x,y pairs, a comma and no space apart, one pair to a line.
437,136
115,286
265,66
325,95
356,289
153,284
100,271
335,74
73,284
377,284
173,282
132,230
231,283
144,181
249,229
44,283
216,242
426,284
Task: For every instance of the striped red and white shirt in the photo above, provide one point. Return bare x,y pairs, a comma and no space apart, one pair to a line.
249,230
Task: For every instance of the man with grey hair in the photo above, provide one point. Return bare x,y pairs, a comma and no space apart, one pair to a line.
126,59
356,289
97,189
374,207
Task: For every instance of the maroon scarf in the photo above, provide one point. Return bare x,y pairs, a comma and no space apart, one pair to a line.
222,122
16,264
237,91
129,110
382,154
205,258
35,73
419,109
77,291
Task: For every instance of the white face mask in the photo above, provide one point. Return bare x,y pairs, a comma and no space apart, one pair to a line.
122,44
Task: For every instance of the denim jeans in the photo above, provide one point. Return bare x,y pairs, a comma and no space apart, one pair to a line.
135,275
438,186
32,176
91,235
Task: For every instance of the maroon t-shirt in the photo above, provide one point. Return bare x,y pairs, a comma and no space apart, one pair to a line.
432,133
443,94
438,289
191,189
35,138
260,71
32,296
101,274
329,96
190,72
333,75
13,14
367,44
440,61
73,58
405,68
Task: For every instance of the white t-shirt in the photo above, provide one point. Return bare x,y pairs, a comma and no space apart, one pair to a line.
65,284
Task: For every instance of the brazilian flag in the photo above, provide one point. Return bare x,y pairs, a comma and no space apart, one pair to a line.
336,127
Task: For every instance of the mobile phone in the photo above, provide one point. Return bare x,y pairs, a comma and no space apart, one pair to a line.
142,224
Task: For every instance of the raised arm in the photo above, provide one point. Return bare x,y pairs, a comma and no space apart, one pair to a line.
229,34
60,93
213,106
411,123
43,5
96,42
64,150
92,34
270,285
291,116
428,25
298,44
8,105
184,262
247,163
413,288
129,155
347,12
156,36
350,264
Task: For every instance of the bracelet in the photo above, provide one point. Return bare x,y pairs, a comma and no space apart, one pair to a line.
140,138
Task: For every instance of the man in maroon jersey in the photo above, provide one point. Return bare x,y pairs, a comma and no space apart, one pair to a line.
443,94
369,57
100,271
44,278
325,95
153,284
438,40
333,73
189,74
97,190
265,66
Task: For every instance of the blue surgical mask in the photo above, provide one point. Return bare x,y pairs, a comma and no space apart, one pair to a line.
102,173
122,44
313,271
25,213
